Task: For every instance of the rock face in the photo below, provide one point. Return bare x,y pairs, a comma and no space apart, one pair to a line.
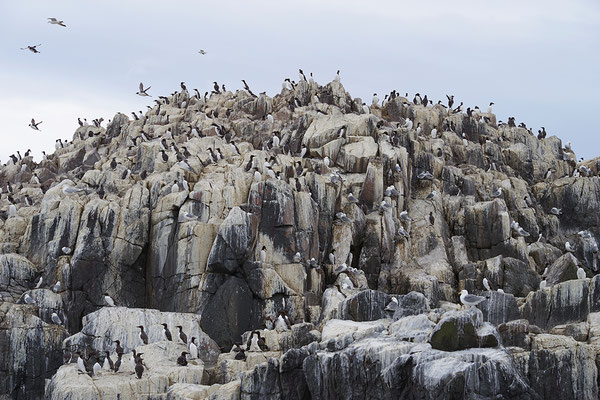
332,229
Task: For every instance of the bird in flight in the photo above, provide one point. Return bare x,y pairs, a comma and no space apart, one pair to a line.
202,52
55,21
31,48
143,91
34,125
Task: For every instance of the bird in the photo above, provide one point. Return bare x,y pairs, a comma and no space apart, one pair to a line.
118,362
203,52
28,299
175,187
384,206
489,110
193,348
568,247
392,305
55,318
108,364
118,348
252,344
580,273
434,133
486,285
522,232
143,92
97,368
39,283
343,217
143,336
182,336
66,250
283,322
109,300
332,257
167,333
263,254
81,364
425,175
262,345
139,368
57,287
182,360
556,211
55,21
32,49
497,193
352,199
34,125
431,218
240,354
404,216
68,190
470,299
336,78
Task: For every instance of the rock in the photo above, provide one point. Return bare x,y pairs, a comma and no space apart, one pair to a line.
517,333
413,328
366,305
462,330
563,269
413,303
189,391
499,308
17,274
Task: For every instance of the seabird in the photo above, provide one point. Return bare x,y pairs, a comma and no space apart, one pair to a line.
556,211
431,218
193,348
486,285
139,368
66,250
32,49
470,299
568,247
434,133
497,193
352,199
167,332
108,363
81,363
143,336
68,190
56,319
182,360
384,206
262,345
392,305
341,268
580,273
375,101
97,368
336,78
143,91
281,324
241,354
263,254
118,349
175,187
27,299
332,257
55,21
34,125
182,336
203,52
252,344
584,234
425,175
419,129
39,283
489,110
57,286
342,216
404,216
118,362
522,232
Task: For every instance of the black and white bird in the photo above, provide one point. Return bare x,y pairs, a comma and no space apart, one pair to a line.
332,257
32,49
55,21
182,336
81,363
27,299
55,318
203,52
470,299
97,368
568,247
34,125
580,273
392,305
108,364
109,300
497,193
167,332
263,254
486,285
193,348
57,287
143,92
142,335
39,283
556,211
182,360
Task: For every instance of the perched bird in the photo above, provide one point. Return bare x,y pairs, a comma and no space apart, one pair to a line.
283,322
580,273
108,363
39,283
193,348
143,92
118,362
486,285
404,216
431,218
522,232
341,268
97,368
118,349
425,175
252,344
263,254
139,368
28,299
392,305
556,211
34,125
543,284
182,360
57,287
143,336
470,299
262,345
109,300
332,257
568,247
68,190
81,364
182,335
56,319
167,332
497,193
352,199
66,250
241,354
55,21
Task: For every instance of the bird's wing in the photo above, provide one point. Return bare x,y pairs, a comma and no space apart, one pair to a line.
141,87
52,19
148,88
32,121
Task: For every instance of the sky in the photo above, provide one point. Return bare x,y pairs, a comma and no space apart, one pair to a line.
537,60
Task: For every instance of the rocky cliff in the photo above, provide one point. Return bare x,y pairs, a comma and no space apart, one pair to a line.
229,213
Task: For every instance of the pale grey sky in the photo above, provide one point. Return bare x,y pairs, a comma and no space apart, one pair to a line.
537,60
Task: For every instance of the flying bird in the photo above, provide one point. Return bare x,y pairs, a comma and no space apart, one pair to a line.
202,52
32,49
34,125
55,21
143,92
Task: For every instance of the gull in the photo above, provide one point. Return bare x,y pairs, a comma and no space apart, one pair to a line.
384,206
34,125
66,250
556,211
568,247
543,284
404,216
470,299
342,268
263,254
580,273
486,285
56,319
500,291
585,234
143,91
66,189
332,257
392,305
352,199
57,286
391,191
397,168
31,48
497,193
297,257
342,216
39,284
203,52
28,299
522,232
425,175
430,196
403,232
55,21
